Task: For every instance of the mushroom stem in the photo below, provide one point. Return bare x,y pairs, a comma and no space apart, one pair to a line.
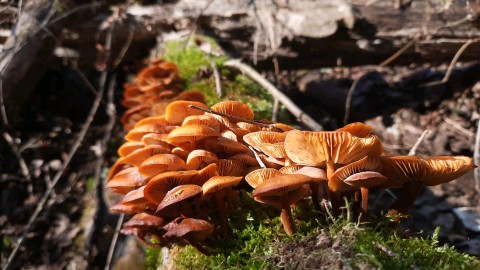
407,198
315,200
364,198
330,169
286,217
222,213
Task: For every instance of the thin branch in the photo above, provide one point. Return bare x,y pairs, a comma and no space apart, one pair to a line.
348,101
413,151
257,157
452,64
476,158
114,241
399,52
458,127
195,24
216,75
67,161
290,105
123,51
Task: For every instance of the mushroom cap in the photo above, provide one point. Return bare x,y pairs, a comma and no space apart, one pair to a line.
133,202
204,120
128,147
116,168
144,221
357,129
283,126
290,169
199,158
247,159
177,111
158,186
311,148
220,182
269,142
181,152
258,176
249,126
205,174
192,95
153,120
367,179
224,147
429,171
161,163
156,139
140,155
292,197
187,136
366,164
126,180
198,229
281,184
315,173
230,167
171,205
234,108
137,133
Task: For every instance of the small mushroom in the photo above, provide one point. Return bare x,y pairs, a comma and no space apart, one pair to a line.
198,159
177,111
126,180
137,133
234,108
133,202
140,155
221,188
224,147
187,137
129,147
179,201
158,186
204,120
161,163
269,142
280,187
258,176
191,95
357,129
192,230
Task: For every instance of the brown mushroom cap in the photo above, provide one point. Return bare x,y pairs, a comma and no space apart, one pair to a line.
230,167
429,171
204,120
197,229
144,220
178,200
197,159
234,108
128,147
312,148
357,129
366,164
140,155
257,177
269,142
191,95
224,147
247,159
158,186
366,179
280,185
126,180
220,182
137,133
177,111
292,197
153,120
133,202
290,169
187,136
161,163
156,139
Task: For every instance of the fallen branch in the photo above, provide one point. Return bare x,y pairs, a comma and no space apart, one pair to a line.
292,107
419,141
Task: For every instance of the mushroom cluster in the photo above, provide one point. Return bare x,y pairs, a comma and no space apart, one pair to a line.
181,168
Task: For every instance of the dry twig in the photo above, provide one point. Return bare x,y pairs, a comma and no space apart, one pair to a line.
291,106
419,141
216,75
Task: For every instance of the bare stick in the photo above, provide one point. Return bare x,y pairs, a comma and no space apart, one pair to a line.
216,75
291,106
452,64
476,158
349,99
398,53
71,153
458,127
236,118
413,151
257,157
114,241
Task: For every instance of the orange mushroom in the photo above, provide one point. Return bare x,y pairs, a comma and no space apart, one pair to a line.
179,201
161,163
187,137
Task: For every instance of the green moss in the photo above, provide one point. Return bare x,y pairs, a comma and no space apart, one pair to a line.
152,258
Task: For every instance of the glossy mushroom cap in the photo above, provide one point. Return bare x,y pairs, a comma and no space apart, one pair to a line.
178,200
158,187
220,182
258,176
177,111
161,163
269,142
234,108
357,129
187,136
